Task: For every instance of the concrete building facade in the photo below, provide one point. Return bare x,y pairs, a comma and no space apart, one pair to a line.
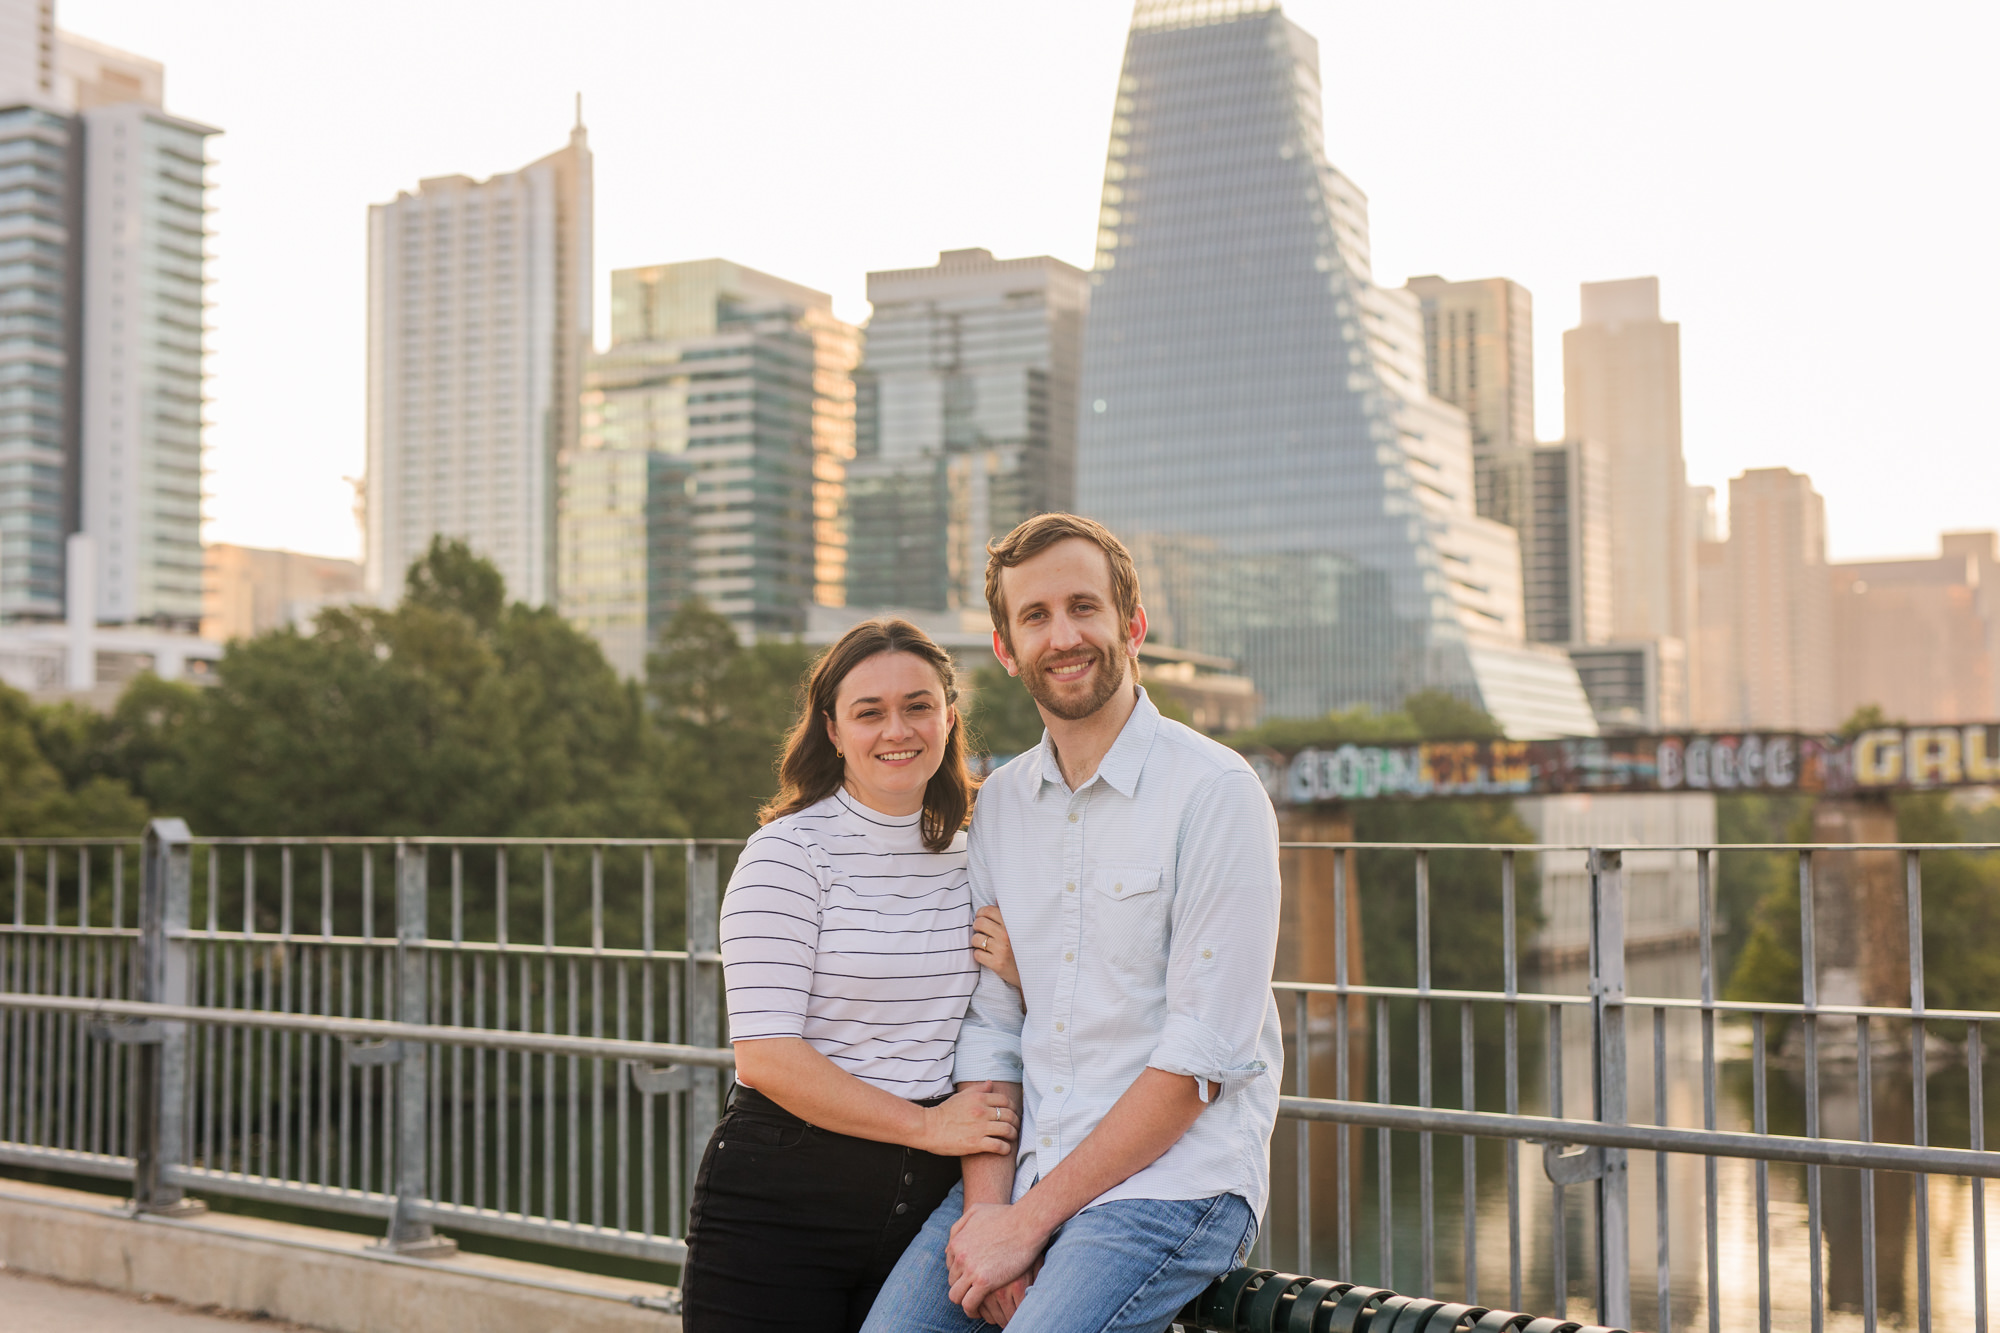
247,590
966,419
1920,639
1622,387
479,319
1770,629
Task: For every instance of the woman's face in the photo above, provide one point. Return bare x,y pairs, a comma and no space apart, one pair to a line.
890,723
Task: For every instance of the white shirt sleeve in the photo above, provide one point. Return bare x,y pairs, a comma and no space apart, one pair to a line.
989,1041
771,916
1225,936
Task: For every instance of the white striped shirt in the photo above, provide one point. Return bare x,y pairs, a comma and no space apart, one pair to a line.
840,927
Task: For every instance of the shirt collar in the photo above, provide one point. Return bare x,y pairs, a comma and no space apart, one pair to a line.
1121,763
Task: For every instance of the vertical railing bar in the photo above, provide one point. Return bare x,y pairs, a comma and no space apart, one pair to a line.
285,1006
1559,1221
249,894
1919,1079
1809,979
1661,1229
1760,1123
1975,1061
479,1084
1384,1180
325,897
1510,966
596,1030
1468,1147
1865,1087
1343,1035
646,1112
549,1025
1426,1164
117,887
458,1055
622,1102
1704,889
1302,1086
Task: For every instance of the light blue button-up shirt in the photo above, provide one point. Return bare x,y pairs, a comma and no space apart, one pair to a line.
1143,910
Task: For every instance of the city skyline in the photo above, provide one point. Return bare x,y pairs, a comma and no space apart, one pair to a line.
1742,241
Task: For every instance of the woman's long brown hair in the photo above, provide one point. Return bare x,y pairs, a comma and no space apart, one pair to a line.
813,770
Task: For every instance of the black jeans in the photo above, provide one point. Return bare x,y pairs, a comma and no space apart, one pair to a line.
796,1228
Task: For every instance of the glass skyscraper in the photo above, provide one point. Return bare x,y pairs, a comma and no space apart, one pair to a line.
1255,418
716,432
965,423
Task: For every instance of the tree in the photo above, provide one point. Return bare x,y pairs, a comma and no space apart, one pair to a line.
721,709
35,802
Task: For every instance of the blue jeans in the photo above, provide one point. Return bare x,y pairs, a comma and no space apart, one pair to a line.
1128,1266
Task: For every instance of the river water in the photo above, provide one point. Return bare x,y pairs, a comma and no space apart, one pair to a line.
1677,974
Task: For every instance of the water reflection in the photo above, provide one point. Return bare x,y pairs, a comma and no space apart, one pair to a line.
1561,1279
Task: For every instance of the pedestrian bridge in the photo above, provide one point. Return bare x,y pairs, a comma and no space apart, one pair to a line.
500,1058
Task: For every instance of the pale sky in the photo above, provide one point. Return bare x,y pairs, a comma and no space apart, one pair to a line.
1813,184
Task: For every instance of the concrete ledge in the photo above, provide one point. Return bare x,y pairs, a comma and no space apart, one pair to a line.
326,1279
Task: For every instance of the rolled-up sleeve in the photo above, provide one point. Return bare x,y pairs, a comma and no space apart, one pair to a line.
989,1041
1225,936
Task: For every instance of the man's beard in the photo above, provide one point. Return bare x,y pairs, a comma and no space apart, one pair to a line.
1105,679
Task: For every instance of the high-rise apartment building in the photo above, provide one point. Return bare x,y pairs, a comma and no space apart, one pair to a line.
143,308
1773,668
717,430
479,319
1622,387
1479,355
1556,497
1920,639
966,421
1256,420
101,362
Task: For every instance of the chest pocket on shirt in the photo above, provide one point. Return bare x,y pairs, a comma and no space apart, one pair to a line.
1132,915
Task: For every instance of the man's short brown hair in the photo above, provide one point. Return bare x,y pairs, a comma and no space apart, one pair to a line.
1041,532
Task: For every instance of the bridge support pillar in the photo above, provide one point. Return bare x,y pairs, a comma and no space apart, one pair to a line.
1863,945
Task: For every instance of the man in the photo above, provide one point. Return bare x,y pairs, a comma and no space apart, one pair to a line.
1135,863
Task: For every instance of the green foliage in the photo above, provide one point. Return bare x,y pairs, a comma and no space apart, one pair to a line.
721,709
35,801
1000,715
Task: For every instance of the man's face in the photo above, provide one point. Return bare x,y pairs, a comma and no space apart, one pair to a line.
1068,645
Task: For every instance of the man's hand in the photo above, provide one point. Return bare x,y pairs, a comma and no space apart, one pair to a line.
1000,1306
991,1245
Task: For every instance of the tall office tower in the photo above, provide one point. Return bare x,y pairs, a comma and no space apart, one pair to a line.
479,319
1622,385
968,422
1920,639
1556,498
1780,604
1256,420
717,431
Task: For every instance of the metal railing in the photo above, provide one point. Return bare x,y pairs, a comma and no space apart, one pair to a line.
560,1090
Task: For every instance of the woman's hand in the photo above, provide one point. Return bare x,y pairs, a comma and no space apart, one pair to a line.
992,948
975,1119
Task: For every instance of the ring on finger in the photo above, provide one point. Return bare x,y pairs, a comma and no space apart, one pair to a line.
979,941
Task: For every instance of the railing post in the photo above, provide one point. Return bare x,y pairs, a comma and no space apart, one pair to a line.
1607,1018
704,1011
159,1061
408,1234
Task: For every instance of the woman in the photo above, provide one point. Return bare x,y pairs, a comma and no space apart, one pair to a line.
847,961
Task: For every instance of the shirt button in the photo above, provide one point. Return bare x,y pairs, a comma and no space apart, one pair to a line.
1118,888
1058,1087
902,1208
1047,1142
909,1177
1059,1025
1070,887
1069,958
1206,954
1072,816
